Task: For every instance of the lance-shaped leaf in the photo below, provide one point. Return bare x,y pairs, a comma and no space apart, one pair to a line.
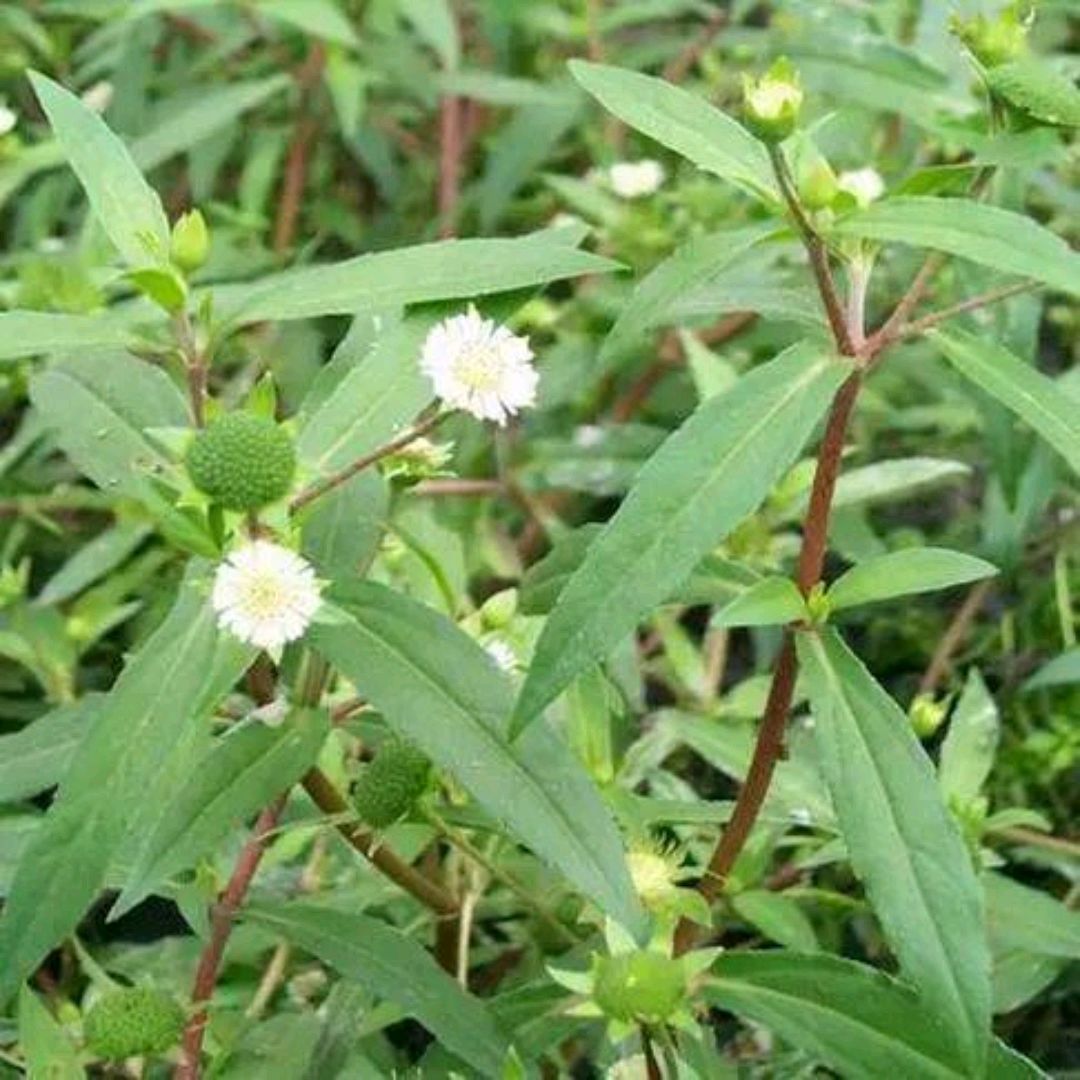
683,122
903,842
967,751
697,487
1033,397
772,601
27,333
445,270
440,689
984,234
48,1051
856,1020
169,686
1061,671
388,963
690,268
902,573
240,775
127,207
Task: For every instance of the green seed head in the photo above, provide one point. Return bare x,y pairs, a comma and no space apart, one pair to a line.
391,784
242,461
635,986
133,1023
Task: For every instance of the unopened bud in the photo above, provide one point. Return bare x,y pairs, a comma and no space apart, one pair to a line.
997,39
190,243
926,715
818,186
771,104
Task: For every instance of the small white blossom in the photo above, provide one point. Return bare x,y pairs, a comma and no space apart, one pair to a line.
8,119
863,185
636,179
480,367
770,98
502,654
265,594
99,96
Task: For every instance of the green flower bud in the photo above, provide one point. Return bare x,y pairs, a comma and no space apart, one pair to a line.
499,609
639,986
242,461
771,104
998,39
390,786
926,714
133,1023
190,243
817,186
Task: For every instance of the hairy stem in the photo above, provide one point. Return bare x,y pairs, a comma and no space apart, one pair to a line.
815,248
681,64
220,928
328,799
194,364
770,741
335,480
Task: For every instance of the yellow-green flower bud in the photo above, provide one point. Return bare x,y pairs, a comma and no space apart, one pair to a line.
639,986
771,104
817,186
997,39
926,715
190,243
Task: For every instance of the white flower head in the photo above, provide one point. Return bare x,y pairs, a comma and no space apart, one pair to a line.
769,99
265,594
8,119
502,654
479,366
99,96
863,185
636,179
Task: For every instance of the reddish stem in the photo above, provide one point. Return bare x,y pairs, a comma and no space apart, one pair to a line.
451,151
221,924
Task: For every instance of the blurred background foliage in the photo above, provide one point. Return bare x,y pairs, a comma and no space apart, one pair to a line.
309,130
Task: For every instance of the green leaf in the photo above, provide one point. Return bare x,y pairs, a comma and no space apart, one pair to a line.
36,757
128,209
1063,670
683,122
984,234
700,484
372,402
497,89
92,561
241,774
778,917
319,18
393,966
1022,918
967,752
98,407
434,21
440,689
343,529
903,842
851,1018
161,699
902,573
28,333
689,268
48,1051
773,601
1037,89
1019,387
211,112
446,270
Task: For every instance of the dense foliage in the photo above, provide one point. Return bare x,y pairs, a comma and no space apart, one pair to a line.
539,538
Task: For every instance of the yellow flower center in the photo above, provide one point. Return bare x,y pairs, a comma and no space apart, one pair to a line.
263,597
478,368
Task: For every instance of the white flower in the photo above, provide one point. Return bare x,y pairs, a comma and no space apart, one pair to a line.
480,367
770,98
99,96
8,119
265,594
863,185
502,654
636,179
